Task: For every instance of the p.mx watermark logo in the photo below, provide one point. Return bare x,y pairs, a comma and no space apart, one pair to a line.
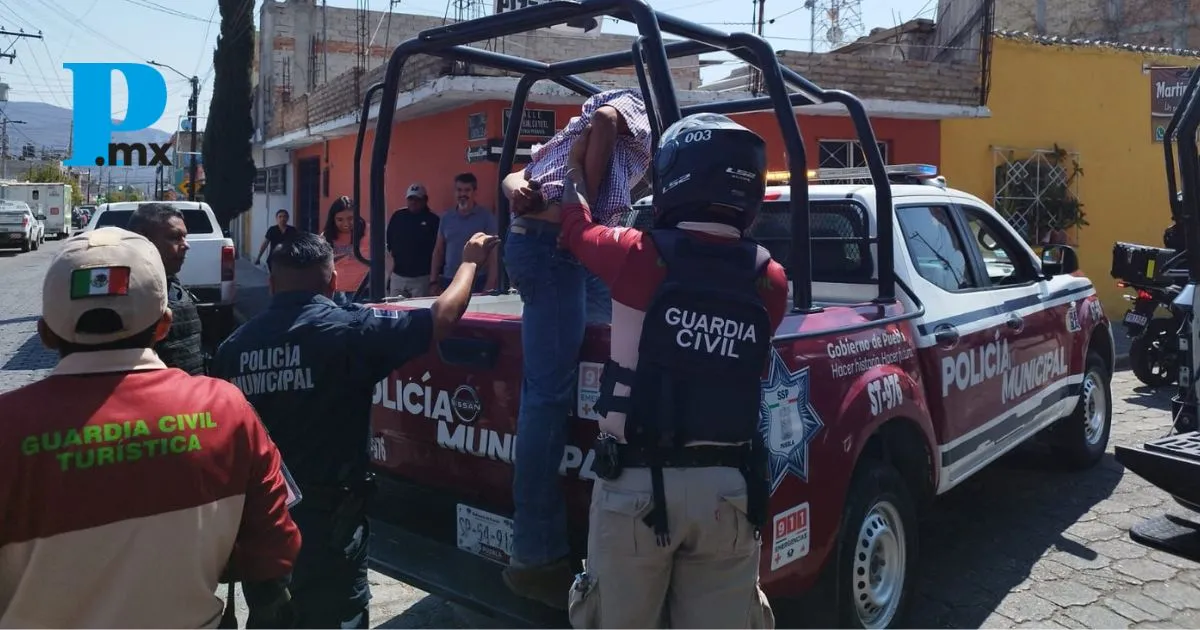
94,126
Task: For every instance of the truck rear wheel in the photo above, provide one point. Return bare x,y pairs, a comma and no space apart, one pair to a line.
878,550
1081,438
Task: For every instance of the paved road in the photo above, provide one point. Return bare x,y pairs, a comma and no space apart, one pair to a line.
1021,544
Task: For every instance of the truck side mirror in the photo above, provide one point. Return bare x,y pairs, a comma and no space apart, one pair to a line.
1058,260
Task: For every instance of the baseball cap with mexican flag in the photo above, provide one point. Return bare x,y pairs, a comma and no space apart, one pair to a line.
106,268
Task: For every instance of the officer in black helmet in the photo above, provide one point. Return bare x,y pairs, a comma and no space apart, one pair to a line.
682,489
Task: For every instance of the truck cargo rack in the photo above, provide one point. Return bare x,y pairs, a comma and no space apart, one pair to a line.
650,57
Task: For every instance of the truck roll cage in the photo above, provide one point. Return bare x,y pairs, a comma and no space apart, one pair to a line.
649,56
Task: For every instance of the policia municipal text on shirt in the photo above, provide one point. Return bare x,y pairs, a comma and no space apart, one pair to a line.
309,367
684,443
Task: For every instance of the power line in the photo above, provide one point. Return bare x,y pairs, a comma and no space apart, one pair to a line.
167,10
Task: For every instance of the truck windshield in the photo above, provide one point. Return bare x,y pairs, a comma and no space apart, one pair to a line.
196,220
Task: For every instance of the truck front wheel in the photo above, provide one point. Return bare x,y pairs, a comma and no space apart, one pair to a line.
1080,438
878,549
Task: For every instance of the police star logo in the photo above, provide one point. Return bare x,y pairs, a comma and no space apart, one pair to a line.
787,420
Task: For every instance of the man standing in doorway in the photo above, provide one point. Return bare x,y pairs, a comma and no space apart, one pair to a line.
411,234
457,226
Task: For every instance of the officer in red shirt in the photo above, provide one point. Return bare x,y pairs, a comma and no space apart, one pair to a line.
695,305
127,488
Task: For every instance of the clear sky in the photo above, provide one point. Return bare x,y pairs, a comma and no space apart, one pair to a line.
182,34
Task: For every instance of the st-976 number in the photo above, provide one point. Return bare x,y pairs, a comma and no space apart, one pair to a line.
885,393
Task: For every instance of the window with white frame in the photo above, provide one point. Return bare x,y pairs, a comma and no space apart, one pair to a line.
845,154
277,179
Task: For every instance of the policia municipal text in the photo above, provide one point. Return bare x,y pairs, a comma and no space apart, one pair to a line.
309,367
680,458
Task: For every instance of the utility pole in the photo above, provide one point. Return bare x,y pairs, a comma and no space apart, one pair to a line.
193,103
12,55
4,141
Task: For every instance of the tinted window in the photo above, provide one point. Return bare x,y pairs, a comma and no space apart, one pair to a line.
1004,261
840,251
936,250
196,220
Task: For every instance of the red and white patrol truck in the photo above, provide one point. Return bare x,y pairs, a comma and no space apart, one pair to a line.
869,409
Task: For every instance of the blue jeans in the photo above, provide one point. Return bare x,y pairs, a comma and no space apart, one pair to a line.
555,290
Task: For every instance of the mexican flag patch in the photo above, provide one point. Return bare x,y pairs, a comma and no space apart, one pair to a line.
99,282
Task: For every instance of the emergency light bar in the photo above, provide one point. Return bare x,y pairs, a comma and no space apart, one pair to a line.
897,174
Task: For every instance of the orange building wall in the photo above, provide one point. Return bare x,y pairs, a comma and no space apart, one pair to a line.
432,150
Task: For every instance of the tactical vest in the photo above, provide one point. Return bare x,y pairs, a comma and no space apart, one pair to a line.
181,348
705,341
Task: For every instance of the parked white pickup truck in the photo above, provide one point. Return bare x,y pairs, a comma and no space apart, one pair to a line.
208,270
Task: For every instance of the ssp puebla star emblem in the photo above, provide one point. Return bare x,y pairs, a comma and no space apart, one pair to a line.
787,420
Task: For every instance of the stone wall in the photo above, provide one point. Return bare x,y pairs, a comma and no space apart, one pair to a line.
893,79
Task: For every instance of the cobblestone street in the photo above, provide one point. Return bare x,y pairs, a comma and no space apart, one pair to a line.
1022,544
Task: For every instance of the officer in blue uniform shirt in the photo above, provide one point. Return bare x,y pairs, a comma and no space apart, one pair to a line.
309,368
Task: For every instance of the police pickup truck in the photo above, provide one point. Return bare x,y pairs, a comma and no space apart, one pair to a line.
865,423
208,269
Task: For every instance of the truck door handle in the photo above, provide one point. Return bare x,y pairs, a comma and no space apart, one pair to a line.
479,354
946,335
1015,322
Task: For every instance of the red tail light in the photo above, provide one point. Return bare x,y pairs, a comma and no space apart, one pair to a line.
227,263
24,222
1144,295
772,195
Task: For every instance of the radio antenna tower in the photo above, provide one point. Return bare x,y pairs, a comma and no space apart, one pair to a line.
460,10
469,9
835,22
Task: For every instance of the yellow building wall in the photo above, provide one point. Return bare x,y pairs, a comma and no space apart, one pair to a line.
1087,99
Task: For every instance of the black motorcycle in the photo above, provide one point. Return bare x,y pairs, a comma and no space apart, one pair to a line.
1154,352
1156,275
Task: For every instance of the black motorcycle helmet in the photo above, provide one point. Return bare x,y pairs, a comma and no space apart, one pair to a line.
709,168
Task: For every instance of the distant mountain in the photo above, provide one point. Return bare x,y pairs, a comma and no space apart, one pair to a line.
50,126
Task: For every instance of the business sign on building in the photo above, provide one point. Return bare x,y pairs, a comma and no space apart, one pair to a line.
538,123
1167,85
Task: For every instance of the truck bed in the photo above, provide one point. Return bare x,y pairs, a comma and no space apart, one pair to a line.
443,435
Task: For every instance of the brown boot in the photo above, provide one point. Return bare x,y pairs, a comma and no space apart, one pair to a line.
549,584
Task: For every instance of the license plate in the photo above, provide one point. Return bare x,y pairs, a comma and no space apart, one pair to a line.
1136,319
485,534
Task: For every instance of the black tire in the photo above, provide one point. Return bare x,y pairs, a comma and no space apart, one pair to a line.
26,245
879,503
1153,355
1080,438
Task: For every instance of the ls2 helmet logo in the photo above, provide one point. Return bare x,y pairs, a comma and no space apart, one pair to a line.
93,117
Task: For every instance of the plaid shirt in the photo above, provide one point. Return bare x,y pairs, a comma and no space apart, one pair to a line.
630,159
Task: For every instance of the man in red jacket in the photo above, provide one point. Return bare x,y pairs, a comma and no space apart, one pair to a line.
695,305
128,487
